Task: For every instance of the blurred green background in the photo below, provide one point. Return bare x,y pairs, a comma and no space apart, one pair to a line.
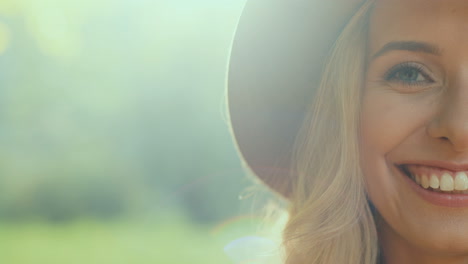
114,144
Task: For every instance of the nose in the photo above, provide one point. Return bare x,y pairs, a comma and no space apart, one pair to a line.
450,124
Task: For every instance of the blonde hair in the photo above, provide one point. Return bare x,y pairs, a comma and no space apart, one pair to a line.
330,220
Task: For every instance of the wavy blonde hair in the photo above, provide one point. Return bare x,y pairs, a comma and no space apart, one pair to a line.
330,219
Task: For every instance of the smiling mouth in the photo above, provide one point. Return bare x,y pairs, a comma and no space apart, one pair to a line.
436,179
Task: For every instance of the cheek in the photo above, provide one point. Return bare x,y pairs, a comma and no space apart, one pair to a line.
380,125
393,128
390,119
389,123
380,132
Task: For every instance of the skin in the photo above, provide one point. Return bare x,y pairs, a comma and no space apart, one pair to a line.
420,113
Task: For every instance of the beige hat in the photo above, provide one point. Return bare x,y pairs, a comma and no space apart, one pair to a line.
276,61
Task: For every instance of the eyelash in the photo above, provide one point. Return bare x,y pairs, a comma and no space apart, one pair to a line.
391,75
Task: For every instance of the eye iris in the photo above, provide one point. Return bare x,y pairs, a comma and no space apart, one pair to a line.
409,74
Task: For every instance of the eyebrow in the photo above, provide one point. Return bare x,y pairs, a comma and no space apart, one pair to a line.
408,46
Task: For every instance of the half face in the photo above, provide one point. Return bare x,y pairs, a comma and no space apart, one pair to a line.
414,124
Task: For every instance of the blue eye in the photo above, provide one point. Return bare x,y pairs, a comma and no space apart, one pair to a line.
408,73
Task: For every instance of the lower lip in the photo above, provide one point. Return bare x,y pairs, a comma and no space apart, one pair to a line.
440,199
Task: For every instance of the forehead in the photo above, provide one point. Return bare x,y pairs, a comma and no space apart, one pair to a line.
436,21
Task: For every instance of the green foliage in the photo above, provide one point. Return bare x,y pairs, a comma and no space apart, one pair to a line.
110,108
110,243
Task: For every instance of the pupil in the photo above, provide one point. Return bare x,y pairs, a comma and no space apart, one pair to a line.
409,75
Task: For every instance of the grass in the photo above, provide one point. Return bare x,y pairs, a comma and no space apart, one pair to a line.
124,242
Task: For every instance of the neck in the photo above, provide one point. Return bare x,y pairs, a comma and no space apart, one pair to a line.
397,250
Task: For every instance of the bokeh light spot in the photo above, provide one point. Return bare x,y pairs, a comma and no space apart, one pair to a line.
4,37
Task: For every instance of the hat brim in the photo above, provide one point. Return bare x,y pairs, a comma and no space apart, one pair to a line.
276,62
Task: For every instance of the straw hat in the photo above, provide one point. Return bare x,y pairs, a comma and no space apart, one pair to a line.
276,61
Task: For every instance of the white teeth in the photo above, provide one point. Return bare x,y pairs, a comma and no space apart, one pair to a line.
424,181
434,182
461,181
446,182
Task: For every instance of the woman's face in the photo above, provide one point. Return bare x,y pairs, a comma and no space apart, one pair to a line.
414,123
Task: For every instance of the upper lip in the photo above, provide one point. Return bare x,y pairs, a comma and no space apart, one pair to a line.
445,165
